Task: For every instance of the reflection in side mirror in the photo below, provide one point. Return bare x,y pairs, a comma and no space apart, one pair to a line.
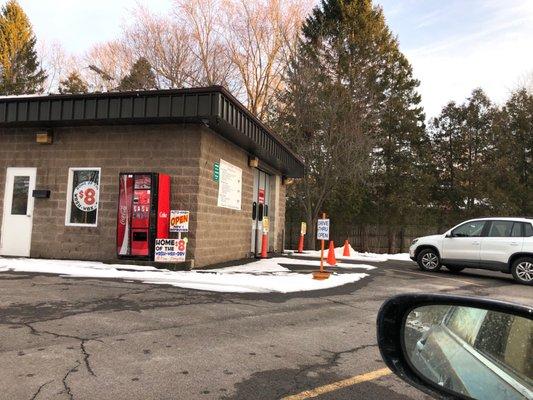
474,352
458,347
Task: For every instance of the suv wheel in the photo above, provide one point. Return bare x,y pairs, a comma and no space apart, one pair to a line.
454,268
429,260
522,270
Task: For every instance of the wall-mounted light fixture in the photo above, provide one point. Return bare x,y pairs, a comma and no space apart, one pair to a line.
44,137
287,181
253,162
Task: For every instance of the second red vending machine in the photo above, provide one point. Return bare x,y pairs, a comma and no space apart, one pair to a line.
143,213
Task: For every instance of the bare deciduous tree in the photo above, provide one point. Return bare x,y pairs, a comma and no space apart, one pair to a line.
165,43
202,19
56,62
114,59
241,44
259,36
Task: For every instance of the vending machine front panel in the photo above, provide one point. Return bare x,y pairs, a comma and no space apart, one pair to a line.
124,214
143,213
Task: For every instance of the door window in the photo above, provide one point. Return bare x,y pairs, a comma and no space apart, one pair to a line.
528,230
19,201
470,229
502,229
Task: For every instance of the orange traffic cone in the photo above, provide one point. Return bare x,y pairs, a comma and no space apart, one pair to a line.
301,244
346,251
331,254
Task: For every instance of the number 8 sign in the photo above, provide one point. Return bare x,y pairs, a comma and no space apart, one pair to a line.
85,196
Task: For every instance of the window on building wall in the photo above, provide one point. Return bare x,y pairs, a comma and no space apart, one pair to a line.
83,193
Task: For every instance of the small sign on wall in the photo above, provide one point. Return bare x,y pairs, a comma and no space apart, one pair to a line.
230,186
266,224
170,250
216,171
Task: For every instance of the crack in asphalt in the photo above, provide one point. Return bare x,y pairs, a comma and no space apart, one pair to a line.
43,311
64,380
39,390
86,356
332,360
336,355
83,341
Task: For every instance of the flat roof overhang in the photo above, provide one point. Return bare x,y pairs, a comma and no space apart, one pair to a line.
213,106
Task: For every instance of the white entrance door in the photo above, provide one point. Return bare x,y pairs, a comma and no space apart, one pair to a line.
17,221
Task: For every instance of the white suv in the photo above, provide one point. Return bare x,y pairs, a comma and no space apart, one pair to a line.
499,244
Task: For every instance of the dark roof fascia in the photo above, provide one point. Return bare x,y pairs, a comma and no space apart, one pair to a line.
213,106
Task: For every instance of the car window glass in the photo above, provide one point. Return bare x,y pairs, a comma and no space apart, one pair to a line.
501,229
470,229
517,229
508,341
463,319
529,230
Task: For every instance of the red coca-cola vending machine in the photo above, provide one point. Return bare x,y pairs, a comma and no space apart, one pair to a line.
143,213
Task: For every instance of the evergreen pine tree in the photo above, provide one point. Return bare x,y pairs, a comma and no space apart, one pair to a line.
73,84
511,157
141,77
351,52
462,141
20,70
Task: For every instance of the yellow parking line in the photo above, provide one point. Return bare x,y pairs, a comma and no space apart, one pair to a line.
369,376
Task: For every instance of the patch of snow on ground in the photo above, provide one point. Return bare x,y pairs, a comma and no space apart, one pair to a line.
261,276
354,255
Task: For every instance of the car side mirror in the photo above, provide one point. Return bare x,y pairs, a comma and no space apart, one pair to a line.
449,235
453,347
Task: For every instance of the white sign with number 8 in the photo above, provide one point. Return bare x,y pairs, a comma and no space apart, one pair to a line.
85,196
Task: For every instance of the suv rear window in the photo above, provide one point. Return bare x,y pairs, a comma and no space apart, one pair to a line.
529,230
510,229
501,228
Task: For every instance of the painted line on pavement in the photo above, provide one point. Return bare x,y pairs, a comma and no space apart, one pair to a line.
429,276
369,376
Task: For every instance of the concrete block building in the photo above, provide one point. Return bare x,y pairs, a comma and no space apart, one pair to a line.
61,158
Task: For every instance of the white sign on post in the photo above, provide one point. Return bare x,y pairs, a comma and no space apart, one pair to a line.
170,250
230,186
179,221
322,231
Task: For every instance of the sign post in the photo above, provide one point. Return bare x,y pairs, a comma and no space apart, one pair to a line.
322,234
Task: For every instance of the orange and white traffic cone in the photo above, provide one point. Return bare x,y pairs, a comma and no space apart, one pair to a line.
301,244
331,254
346,251
264,245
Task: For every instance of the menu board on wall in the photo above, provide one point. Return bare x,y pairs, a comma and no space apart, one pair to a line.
230,186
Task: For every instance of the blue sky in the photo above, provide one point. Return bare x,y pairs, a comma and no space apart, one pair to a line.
453,45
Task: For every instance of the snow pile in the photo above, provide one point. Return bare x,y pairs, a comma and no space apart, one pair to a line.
354,255
261,276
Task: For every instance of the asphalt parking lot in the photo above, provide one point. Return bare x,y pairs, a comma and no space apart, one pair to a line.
69,338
